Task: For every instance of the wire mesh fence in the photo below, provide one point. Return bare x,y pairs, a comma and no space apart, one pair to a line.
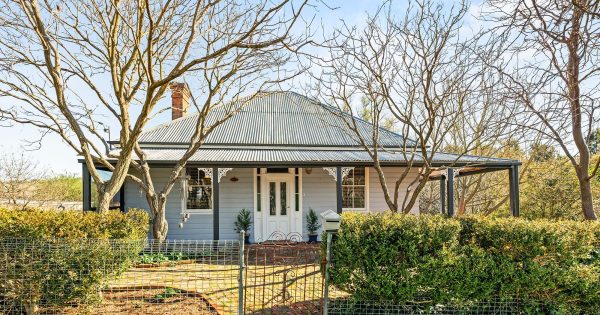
283,277
348,306
118,277
186,277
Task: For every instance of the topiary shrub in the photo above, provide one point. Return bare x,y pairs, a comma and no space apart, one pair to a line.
51,258
430,260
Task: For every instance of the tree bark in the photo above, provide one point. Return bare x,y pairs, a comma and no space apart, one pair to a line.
103,199
585,189
574,93
106,192
160,226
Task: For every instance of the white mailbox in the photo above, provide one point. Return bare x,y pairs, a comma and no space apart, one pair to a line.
331,221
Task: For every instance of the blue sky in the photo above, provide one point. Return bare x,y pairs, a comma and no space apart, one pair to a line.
58,157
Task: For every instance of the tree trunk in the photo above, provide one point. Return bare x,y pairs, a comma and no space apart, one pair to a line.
585,189
105,197
574,92
104,200
160,226
462,206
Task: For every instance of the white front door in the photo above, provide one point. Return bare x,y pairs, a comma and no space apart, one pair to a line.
278,205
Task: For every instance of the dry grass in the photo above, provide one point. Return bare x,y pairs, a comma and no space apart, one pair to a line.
276,288
142,301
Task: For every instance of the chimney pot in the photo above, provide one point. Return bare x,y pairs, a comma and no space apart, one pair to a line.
180,99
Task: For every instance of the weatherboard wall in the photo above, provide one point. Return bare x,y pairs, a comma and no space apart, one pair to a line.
318,193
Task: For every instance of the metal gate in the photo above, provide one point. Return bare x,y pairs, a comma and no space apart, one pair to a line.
283,276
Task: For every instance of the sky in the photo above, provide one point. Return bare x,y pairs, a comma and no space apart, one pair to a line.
54,154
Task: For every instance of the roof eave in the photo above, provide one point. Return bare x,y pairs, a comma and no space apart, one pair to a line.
493,164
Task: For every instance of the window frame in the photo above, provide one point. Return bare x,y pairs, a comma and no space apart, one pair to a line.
366,185
120,195
185,192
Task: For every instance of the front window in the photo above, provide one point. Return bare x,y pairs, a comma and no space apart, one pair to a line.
198,190
115,202
354,189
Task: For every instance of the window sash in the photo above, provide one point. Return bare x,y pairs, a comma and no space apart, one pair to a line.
198,192
354,190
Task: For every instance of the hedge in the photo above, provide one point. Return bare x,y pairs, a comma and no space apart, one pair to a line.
52,258
548,266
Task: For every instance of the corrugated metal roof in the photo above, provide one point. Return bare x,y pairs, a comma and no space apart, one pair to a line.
274,119
308,156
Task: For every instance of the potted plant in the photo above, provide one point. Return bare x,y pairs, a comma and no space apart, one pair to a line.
312,225
243,223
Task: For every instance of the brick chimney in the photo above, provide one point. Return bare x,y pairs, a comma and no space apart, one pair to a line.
180,99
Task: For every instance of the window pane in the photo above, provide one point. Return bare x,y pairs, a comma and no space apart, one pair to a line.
258,193
199,189
198,177
297,192
199,197
359,176
359,197
258,202
283,197
348,179
105,176
347,197
272,210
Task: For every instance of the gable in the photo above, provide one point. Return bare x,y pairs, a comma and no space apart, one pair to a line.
274,119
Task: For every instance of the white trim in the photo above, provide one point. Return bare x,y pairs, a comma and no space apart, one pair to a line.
332,172
256,216
300,213
367,193
295,217
207,171
346,171
222,172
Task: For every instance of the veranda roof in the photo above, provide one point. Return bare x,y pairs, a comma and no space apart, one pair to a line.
313,157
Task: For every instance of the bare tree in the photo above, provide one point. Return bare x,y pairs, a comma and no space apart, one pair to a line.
78,67
223,86
415,69
551,51
19,180
25,183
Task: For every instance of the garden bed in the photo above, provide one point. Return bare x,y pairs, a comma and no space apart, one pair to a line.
165,263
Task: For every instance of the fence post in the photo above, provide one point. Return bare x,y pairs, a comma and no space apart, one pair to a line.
241,275
326,284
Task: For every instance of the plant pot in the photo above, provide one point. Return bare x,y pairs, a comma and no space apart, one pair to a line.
313,238
247,239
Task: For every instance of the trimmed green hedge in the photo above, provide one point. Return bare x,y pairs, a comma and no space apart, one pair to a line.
38,223
548,266
51,258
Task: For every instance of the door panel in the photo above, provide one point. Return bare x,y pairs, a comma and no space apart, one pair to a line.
278,200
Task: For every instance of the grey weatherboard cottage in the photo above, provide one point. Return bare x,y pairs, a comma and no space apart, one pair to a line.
280,156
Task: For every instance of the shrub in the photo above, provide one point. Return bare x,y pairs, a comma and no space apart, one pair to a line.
55,258
433,260
243,221
312,222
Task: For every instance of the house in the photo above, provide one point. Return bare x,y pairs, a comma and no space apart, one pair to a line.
280,156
